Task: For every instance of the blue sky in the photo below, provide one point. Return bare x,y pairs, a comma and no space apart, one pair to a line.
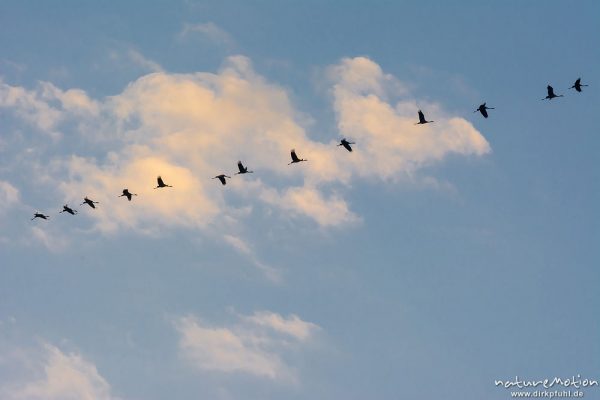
427,263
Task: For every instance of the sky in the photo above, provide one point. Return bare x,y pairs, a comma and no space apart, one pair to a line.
428,263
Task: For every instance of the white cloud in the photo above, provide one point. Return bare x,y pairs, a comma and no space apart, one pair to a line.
309,201
72,100
56,375
244,347
293,325
31,107
191,127
208,30
390,143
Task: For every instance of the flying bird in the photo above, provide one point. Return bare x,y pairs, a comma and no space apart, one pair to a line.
295,158
243,170
161,183
483,110
551,94
346,144
68,209
422,119
222,178
39,215
577,85
127,194
89,202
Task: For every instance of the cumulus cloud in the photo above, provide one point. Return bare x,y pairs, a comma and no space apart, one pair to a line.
309,201
390,143
245,346
47,106
30,106
56,375
191,127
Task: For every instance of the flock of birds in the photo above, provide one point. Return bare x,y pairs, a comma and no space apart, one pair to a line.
482,109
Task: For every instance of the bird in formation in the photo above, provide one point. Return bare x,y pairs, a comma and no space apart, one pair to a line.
346,144
242,169
39,215
577,85
222,178
422,119
68,209
89,202
483,110
295,158
161,183
551,94
127,194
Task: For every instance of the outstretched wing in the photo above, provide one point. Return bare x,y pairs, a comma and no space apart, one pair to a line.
294,156
240,166
160,181
421,117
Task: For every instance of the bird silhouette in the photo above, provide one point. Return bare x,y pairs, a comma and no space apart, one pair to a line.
39,215
295,158
422,119
243,170
222,178
483,110
346,144
161,183
127,194
551,94
89,202
577,85
68,209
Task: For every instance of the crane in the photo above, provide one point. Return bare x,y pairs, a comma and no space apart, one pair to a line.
295,158
422,119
